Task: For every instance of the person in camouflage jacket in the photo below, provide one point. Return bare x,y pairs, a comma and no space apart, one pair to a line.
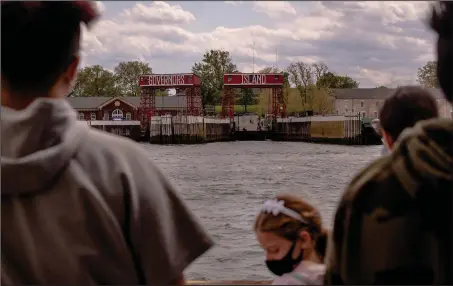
394,222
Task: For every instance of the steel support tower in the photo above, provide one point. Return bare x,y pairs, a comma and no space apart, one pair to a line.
276,105
190,83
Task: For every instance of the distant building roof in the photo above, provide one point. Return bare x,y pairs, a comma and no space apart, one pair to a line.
375,93
87,102
162,102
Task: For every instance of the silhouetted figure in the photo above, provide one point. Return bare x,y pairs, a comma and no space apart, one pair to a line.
394,224
79,206
403,109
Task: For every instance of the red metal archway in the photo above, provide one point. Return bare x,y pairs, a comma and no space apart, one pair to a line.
190,83
274,81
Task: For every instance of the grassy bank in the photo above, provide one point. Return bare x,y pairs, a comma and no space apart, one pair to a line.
294,104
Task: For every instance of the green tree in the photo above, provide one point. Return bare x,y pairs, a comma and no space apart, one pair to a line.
333,80
322,101
301,75
128,73
95,81
215,63
246,98
427,75
319,70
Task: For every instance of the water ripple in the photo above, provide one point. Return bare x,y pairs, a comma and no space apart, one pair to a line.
225,184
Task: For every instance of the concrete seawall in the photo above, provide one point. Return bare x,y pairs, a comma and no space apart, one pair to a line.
188,129
335,129
330,129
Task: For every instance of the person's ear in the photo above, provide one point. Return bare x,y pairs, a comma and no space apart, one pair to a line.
388,141
305,239
71,71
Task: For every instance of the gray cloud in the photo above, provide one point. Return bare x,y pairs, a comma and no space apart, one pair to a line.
375,42
159,12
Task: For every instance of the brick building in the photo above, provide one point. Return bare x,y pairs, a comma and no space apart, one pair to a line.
120,115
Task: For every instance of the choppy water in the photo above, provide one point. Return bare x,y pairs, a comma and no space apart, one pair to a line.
226,183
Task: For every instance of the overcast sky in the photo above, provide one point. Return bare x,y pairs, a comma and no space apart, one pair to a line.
376,43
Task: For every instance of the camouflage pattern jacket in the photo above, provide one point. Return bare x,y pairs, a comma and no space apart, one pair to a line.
394,222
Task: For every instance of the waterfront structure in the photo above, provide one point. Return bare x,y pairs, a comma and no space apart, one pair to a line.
120,115
274,81
341,129
189,83
367,101
172,122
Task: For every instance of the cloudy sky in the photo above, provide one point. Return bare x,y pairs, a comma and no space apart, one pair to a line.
376,43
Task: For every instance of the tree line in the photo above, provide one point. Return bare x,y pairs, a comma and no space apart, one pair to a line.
308,79
123,81
312,82
427,75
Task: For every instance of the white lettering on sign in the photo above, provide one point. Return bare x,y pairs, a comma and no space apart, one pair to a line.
254,79
166,80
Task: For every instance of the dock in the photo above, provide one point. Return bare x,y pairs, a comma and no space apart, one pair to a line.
170,129
333,129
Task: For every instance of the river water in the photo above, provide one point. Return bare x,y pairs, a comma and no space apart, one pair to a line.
226,183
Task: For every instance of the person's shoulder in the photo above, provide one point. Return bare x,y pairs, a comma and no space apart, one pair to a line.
285,279
376,172
312,276
114,146
378,191
101,140
108,155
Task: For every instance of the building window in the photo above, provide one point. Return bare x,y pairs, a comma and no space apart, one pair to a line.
106,116
230,78
346,110
352,110
361,103
375,114
117,114
128,116
377,103
363,114
93,116
81,116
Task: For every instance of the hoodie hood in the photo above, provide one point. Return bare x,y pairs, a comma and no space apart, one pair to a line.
424,154
37,144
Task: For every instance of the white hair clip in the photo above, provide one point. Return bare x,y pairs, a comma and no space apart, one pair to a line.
276,207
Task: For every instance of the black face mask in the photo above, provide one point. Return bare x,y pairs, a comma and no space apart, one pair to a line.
286,264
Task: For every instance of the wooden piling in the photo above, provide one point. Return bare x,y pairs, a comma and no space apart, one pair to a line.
187,129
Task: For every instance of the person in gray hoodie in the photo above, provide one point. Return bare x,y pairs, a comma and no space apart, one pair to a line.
79,206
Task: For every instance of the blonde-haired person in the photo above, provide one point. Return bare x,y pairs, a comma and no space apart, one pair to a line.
290,231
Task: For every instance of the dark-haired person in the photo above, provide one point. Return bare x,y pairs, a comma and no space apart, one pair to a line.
79,206
394,225
403,109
